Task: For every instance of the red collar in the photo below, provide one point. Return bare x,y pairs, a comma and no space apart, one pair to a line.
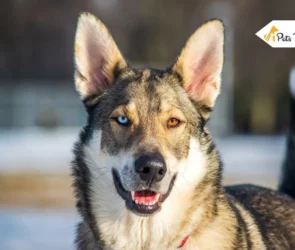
183,242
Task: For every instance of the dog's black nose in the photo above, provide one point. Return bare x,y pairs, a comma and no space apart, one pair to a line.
151,167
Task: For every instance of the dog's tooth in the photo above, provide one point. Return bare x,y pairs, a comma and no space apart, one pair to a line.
157,197
132,195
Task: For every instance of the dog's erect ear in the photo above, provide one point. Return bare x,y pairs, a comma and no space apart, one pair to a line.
96,57
200,63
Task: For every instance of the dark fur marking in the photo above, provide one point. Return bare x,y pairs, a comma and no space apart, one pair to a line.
175,75
206,109
118,71
90,102
82,187
155,74
211,147
242,227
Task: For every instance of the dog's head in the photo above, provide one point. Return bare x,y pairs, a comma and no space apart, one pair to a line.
145,126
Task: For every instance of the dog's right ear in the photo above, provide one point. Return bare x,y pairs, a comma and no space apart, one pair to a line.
96,57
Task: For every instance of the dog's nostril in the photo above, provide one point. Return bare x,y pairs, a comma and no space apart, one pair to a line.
145,170
161,171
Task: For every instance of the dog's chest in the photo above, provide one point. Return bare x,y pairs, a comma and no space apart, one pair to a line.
141,234
138,235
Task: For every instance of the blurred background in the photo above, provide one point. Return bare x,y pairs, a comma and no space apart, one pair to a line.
40,112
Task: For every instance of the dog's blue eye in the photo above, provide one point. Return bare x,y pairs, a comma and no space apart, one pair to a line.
122,120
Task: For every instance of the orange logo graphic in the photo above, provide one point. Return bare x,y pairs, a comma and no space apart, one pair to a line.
271,34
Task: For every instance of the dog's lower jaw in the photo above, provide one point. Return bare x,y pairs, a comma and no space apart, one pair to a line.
132,204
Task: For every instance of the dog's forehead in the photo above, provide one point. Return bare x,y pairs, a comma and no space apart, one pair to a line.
151,87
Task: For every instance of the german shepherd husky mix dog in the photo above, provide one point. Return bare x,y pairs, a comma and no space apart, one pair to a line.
147,174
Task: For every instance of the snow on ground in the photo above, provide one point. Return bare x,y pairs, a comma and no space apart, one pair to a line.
45,151
36,229
252,159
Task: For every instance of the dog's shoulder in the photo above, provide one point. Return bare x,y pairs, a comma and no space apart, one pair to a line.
259,198
272,212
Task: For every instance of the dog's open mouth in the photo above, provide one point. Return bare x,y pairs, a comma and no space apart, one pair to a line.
144,202
145,197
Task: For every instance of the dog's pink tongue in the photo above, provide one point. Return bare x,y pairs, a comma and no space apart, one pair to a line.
145,196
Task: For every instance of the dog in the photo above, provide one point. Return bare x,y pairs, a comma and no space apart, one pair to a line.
147,174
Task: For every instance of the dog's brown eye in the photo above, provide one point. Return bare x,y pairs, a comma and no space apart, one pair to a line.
172,123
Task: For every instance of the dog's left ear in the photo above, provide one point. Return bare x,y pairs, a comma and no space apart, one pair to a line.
200,63
96,57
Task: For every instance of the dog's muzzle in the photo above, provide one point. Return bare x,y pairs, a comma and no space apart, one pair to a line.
145,200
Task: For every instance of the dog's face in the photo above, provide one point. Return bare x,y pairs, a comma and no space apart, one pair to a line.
144,123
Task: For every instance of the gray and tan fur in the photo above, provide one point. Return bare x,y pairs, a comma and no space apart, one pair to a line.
193,201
